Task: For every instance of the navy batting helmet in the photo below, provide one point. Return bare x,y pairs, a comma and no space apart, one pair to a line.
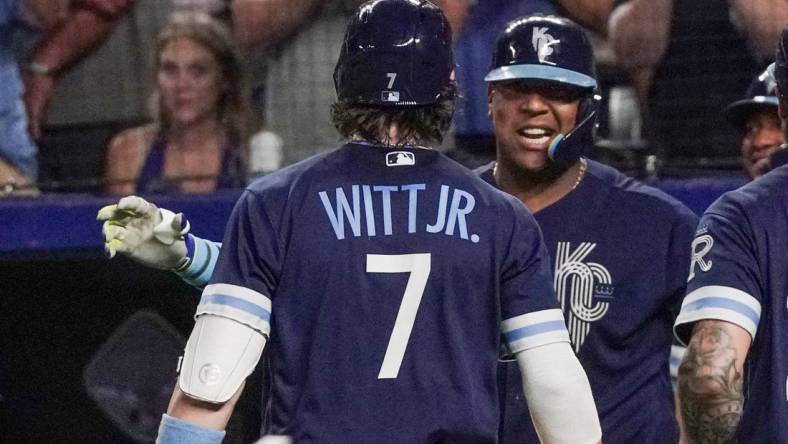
555,50
761,94
395,53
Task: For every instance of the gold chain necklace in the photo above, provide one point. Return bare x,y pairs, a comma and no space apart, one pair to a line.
580,174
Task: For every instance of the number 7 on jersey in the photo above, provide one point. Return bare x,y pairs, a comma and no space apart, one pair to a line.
418,265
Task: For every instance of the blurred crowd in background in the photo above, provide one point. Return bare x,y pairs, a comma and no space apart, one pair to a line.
149,96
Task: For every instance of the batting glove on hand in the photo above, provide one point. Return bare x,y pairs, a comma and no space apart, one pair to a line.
152,236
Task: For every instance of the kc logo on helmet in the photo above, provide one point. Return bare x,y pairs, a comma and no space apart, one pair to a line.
543,44
400,158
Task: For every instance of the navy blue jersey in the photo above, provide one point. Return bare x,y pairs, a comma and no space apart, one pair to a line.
739,274
387,278
619,252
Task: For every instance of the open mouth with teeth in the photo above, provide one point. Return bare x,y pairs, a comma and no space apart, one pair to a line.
536,137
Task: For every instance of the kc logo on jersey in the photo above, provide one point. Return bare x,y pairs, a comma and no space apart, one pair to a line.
583,289
400,158
543,44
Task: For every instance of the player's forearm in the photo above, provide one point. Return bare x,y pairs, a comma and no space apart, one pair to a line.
80,34
193,421
222,351
559,395
204,414
267,22
710,384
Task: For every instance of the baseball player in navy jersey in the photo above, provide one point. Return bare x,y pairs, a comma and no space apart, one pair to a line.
381,275
756,118
734,319
618,247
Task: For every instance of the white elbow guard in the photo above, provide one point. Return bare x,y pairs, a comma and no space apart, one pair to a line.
219,355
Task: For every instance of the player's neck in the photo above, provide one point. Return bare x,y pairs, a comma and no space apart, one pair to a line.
390,138
538,194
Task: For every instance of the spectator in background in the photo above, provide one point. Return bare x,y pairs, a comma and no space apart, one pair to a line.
18,153
756,118
197,142
73,106
687,59
87,26
72,111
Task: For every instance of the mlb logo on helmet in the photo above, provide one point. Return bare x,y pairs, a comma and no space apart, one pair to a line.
389,96
400,158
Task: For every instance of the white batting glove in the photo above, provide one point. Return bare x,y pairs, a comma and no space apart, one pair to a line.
152,236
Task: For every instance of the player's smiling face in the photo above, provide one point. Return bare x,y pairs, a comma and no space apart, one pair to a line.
762,136
527,117
189,81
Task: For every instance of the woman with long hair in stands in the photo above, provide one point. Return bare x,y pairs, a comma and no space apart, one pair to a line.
197,142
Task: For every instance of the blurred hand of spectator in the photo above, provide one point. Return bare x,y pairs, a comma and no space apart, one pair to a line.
638,32
87,25
593,14
45,14
456,12
108,8
267,22
39,89
760,22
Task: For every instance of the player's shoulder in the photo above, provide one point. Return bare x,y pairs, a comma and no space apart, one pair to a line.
483,184
627,192
762,198
485,172
290,176
506,201
500,205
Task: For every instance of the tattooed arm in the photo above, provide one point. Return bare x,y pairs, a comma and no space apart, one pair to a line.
710,381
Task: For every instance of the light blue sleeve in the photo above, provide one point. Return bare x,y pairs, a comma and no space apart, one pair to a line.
203,254
177,431
676,355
